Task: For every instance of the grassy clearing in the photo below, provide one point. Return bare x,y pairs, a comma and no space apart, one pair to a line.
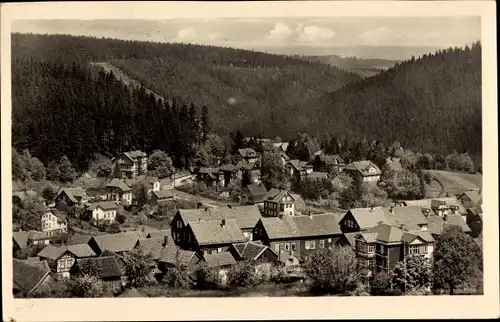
456,183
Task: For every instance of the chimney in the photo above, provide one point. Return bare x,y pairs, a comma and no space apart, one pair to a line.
230,206
223,223
403,226
206,209
371,208
391,209
310,216
445,217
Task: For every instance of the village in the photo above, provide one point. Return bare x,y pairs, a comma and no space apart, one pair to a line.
128,230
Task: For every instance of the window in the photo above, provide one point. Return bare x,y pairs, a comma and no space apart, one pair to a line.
282,207
287,247
219,250
322,244
382,249
294,247
313,244
329,240
277,248
308,244
371,249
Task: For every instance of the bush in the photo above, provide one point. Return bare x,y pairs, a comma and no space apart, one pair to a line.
380,284
138,267
206,277
120,217
88,286
242,274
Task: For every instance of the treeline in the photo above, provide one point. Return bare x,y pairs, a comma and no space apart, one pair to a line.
255,91
431,103
65,110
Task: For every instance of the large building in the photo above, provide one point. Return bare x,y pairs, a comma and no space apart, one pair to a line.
131,164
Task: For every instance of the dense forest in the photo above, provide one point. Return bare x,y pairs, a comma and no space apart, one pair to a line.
67,110
428,104
431,104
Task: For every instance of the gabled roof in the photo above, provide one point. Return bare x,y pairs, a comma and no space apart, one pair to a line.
133,155
27,276
117,242
107,266
60,216
209,170
77,239
437,223
73,193
298,165
351,238
120,184
55,252
285,156
411,216
296,197
257,190
250,250
163,194
386,233
248,153
331,159
408,237
246,216
475,196
21,238
23,195
368,237
243,165
104,205
427,203
368,217
363,167
228,167
219,259
152,246
169,255
276,195
301,226
216,232
318,175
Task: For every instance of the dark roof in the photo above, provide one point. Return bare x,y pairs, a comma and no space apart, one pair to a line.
245,165
298,165
78,239
120,184
107,266
257,190
250,250
301,226
368,217
246,216
117,242
219,259
55,252
216,232
163,194
27,276
152,246
331,159
364,168
21,238
72,193
169,255
228,168
351,238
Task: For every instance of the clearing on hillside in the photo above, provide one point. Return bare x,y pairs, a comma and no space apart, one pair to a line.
456,183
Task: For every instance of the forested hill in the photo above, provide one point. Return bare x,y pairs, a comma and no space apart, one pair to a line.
432,103
256,92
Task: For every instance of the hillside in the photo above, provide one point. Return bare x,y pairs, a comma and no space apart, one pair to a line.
253,91
432,103
365,67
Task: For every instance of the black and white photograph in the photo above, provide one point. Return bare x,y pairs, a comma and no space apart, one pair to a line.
233,156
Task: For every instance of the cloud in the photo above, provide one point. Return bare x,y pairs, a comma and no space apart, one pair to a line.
280,32
186,34
380,36
314,33
213,36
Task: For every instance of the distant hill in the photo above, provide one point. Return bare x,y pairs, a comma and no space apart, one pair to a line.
256,92
365,67
431,103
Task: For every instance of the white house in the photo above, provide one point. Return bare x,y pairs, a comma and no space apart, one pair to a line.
104,212
54,222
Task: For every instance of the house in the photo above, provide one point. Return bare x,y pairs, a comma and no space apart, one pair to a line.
72,196
103,212
107,269
284,158
358,219
300,204
210,176
250,156
76,239
439,206
150,183
24,239
253,251
254,194
30,277
475,220
214,236
317,175
471,199
117,190
278,202
438,223
298,169
19,197
160,196
381,247
328,163
61,259
366,171
231,173
166,184
410,217
54,222
116,243
251,170
246,217
172,255
222,262
131,164
299,235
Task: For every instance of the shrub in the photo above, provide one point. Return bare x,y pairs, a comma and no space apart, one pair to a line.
207,277
242,274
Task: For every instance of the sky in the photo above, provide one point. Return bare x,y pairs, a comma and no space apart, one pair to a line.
374,37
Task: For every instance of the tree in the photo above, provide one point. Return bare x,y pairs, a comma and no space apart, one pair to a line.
89,286
120,217
117,172
66,169
409,160
49,192
381,284
333,270
138,267
19,171
242,274
161,163
104,170
456,259
177,276
140,194
412,273
53,172
37,169
205,123
207,277
272,172
402,184
246,179
237,142
425,162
